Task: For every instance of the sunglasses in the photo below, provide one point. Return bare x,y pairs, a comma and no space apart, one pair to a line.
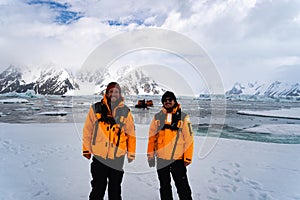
168,99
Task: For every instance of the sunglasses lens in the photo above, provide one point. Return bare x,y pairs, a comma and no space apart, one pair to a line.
168,99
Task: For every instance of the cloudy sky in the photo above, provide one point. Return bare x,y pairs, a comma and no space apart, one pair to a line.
247,40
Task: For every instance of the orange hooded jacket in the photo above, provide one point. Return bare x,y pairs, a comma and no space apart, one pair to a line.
171,144
100,138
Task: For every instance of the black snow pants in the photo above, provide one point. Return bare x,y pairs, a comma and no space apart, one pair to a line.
179,173
106,172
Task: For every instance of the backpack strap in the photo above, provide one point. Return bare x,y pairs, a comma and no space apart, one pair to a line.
179,126
160,120
97,108
101,111
121,114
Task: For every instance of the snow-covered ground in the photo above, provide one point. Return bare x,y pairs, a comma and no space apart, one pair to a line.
293,113
43,161
281,129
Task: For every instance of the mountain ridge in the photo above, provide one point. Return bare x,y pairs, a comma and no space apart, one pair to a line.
54,80
272,89
45,81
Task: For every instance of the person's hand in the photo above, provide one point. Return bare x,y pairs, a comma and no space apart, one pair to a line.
129,160
151,162
87,155
186,163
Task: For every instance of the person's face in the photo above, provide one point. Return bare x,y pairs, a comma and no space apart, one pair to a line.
168,103
113,94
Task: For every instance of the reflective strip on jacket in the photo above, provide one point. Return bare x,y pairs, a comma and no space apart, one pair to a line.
100,138
166,145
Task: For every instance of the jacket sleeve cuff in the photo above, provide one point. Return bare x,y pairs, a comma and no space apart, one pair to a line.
188,160
84,152
131,156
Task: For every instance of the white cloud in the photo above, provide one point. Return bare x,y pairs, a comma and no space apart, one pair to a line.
243,38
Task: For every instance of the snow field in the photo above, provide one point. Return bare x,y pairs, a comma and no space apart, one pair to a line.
43,161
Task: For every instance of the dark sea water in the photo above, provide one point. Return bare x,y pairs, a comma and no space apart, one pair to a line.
209,117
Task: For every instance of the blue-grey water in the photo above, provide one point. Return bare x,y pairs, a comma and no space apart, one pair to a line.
202,112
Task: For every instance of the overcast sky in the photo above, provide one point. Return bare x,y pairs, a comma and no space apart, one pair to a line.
247,40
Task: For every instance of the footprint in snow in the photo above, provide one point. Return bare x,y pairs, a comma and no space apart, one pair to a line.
213,189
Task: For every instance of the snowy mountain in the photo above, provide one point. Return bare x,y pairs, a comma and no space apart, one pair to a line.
52,80
11,80
48,80
274,89
138,82
132,81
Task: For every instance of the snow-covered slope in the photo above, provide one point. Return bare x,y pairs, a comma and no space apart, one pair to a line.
54,80
11,80
274,89
132,81
48,80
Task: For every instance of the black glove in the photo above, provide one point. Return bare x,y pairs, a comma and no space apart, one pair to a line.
151,162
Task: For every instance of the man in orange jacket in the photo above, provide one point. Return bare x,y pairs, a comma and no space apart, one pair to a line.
171,142
108,135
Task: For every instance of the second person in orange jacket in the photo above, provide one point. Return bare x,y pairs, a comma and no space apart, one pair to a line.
171,144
